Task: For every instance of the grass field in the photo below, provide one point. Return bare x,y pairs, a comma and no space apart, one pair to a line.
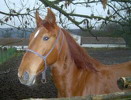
6,54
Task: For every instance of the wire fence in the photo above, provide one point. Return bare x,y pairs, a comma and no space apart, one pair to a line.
6,54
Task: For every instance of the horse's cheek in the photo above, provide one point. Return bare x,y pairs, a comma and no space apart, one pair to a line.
52,58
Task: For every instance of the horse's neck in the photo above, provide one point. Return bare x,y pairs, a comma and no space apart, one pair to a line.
67,76
65,72
62,69
62,73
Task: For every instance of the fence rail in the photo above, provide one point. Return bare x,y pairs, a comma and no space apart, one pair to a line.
112,96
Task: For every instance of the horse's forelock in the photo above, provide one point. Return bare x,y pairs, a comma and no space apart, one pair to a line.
49,26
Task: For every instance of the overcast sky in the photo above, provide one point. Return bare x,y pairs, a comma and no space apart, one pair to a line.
15,4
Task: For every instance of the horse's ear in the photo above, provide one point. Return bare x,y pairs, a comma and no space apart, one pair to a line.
39,21
51,17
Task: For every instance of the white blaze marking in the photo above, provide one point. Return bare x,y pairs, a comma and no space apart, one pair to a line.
36,33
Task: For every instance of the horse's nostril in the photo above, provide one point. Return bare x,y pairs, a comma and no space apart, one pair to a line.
26,76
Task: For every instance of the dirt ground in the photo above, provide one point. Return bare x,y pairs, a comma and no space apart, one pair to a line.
11,89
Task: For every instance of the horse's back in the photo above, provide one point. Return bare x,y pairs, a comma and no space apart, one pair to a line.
121,70
110,74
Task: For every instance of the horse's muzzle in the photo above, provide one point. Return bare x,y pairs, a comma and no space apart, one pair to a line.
27,79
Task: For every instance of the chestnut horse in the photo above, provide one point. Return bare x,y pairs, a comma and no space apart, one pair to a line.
74,72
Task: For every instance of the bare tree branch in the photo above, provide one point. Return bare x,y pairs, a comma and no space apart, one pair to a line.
119,11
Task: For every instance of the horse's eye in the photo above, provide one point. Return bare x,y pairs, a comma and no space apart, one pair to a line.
45,38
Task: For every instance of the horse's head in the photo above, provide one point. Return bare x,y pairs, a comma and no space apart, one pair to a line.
43,49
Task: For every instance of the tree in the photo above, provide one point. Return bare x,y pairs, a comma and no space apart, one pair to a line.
117,11
19,14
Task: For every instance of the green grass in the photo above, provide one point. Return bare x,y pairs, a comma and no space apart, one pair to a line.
7,54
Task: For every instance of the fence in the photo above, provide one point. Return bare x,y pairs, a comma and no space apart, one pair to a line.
112,96
5,54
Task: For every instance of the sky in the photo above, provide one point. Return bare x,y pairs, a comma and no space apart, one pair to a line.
16,4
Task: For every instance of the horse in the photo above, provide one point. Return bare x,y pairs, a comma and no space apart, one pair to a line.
74,71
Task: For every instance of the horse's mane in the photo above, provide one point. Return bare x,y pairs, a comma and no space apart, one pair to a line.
78,54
